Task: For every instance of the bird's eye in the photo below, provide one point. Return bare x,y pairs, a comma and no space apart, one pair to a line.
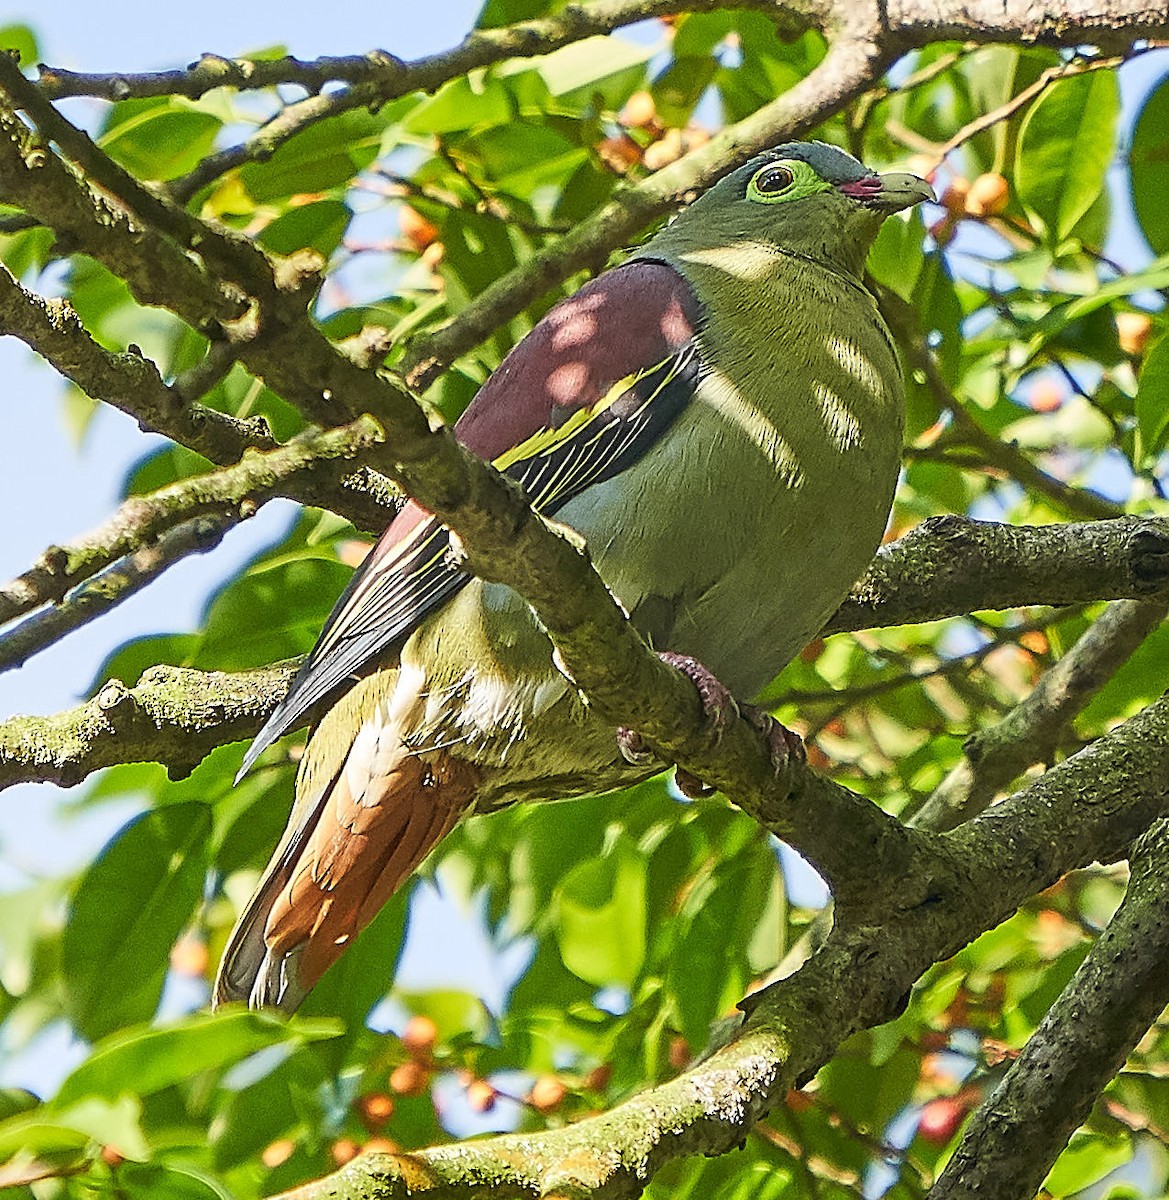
774,179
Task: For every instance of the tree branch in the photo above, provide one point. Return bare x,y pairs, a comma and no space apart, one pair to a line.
1109,24
376,77
388,76
937,888
950,565
174,715
1021,1128
921,577
314,474
226,496
97,596
857,979
1031,731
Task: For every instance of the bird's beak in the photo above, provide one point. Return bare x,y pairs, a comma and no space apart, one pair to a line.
900,190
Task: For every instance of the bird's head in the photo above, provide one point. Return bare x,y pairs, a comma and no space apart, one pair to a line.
804,197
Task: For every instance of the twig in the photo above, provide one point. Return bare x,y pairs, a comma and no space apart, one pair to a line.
845,698
119,582
1030,732
1020,1129
286,124
990,119
129,381
229,495
1078,502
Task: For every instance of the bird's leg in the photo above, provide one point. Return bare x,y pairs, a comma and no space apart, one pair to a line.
720,708
717,703
786,745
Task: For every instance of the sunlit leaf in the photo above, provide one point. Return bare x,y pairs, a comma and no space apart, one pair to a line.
1088,1158
22,40
601,917
126,913
1152,403
159,138
1065,147
1148,160
141,1061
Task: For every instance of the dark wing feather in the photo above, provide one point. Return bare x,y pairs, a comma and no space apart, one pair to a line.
597,443
411,570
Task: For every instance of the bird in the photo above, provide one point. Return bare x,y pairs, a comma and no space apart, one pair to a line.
720,418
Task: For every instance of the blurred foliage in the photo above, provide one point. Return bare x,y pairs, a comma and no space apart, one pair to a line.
642,919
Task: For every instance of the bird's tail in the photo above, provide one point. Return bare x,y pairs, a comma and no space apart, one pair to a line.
346,851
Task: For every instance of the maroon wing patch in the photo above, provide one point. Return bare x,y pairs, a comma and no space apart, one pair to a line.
639,319
616,325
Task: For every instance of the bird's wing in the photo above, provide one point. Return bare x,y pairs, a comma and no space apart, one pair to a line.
579,400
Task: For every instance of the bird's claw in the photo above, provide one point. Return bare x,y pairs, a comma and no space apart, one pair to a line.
786,746
718,705
632,748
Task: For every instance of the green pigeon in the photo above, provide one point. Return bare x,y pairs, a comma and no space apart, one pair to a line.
721,418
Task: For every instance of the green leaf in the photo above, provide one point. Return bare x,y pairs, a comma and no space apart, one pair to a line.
463,103
143,1061
1153,278
149,1181
600,908
708,971
26,251
325,155
272,612
21,39
522,156
162,467
898,254
610,67
272,1107
680,87
14,1101
1148,161
159,138
1088,1158
869,1092
250,816
1137,682
131,658
1152,402
51,1129
1065,147
126,913
319,226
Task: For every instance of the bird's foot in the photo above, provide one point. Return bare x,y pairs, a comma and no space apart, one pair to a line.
786,746
719,706
633,749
